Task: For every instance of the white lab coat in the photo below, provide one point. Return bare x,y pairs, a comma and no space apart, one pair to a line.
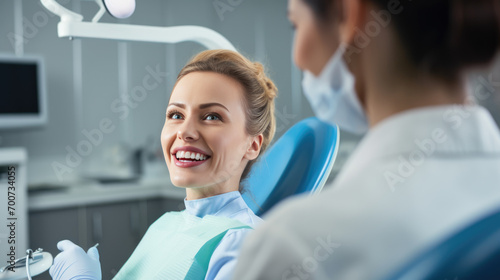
414,178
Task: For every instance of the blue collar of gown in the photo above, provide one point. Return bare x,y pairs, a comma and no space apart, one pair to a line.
226,204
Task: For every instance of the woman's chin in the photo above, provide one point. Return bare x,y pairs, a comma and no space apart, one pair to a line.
186,183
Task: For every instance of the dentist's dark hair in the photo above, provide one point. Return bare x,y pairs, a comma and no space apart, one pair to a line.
260,91
444,37
325,10
440,37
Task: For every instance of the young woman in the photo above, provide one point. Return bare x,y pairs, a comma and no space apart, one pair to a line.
429,163
219,119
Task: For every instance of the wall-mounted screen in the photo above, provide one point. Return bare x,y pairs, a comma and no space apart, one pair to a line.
23,98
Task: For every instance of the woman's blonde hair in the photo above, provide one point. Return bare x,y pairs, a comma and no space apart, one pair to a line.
259,90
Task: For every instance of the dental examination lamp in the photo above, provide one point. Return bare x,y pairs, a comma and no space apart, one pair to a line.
120,8
33,264
73,26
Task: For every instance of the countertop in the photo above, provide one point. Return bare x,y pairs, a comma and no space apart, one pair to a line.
91,193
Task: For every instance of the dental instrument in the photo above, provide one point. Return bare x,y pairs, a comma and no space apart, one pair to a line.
34,263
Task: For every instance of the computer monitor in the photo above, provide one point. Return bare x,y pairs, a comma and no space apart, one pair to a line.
23,95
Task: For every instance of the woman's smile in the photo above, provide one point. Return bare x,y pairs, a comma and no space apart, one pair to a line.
188,156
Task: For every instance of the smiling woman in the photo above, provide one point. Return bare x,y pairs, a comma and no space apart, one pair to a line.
219,119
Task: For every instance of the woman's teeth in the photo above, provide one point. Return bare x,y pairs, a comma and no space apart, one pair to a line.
190,156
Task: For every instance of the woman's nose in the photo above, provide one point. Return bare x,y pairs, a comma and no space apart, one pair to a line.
188,131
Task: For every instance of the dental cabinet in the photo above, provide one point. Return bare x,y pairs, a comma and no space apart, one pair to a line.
116,217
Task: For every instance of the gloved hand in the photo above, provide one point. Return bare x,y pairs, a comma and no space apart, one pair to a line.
74,264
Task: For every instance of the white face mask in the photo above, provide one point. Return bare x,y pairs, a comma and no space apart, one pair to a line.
333,97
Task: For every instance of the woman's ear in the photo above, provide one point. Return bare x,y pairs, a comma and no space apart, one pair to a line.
353,18
254,149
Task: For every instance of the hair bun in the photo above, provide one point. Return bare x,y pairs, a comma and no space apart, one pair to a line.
271,90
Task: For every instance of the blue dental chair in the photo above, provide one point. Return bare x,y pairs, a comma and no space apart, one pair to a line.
472,253
299,162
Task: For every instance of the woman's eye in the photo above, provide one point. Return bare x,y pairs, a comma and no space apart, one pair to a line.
212,117
175,116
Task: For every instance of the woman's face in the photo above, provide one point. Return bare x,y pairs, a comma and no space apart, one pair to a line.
315,42
204,139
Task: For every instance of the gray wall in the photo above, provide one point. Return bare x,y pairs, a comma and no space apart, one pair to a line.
86,78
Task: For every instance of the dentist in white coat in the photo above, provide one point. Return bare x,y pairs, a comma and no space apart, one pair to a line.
430,160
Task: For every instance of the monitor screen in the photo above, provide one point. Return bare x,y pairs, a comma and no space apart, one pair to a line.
22,92
20,88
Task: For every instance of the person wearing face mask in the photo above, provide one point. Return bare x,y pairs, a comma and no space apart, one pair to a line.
429,162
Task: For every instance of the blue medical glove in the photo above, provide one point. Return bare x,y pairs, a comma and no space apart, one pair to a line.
74,264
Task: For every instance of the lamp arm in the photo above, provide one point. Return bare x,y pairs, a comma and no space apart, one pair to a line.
73,26
101,12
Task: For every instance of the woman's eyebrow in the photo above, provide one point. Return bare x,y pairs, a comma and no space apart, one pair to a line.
180,105
206,105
